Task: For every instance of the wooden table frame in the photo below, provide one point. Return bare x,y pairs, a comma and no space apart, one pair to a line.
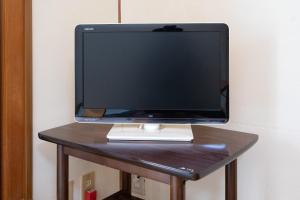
171,163
177,184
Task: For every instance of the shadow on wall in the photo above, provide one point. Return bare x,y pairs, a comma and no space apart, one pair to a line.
253,76
47,150
211,187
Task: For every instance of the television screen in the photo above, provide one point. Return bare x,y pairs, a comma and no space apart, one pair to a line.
152,73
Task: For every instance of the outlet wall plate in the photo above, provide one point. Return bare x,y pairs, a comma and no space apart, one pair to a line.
87,183
138,186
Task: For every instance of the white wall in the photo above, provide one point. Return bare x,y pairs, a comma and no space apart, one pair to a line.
264,89
53,87
264,83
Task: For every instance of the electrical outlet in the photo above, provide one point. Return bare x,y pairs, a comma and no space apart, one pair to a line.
138,186
87,182
71,190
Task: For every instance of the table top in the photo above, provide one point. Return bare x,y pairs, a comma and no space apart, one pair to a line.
211,148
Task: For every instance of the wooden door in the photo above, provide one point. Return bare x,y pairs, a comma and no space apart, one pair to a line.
16,108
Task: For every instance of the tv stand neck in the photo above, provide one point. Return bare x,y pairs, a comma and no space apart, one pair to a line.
150,127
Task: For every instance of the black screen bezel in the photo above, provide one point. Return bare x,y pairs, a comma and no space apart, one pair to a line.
152,116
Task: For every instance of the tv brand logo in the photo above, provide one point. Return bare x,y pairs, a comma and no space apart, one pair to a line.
89,29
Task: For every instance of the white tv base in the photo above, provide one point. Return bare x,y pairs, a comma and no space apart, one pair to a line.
151,132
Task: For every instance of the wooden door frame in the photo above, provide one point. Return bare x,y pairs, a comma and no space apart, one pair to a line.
16,99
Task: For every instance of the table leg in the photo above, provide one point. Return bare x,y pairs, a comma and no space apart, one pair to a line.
231,181
177,188
62,173
125,182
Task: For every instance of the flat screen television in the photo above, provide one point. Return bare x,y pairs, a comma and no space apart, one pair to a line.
152,73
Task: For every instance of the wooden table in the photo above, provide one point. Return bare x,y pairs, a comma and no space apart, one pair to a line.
171,163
